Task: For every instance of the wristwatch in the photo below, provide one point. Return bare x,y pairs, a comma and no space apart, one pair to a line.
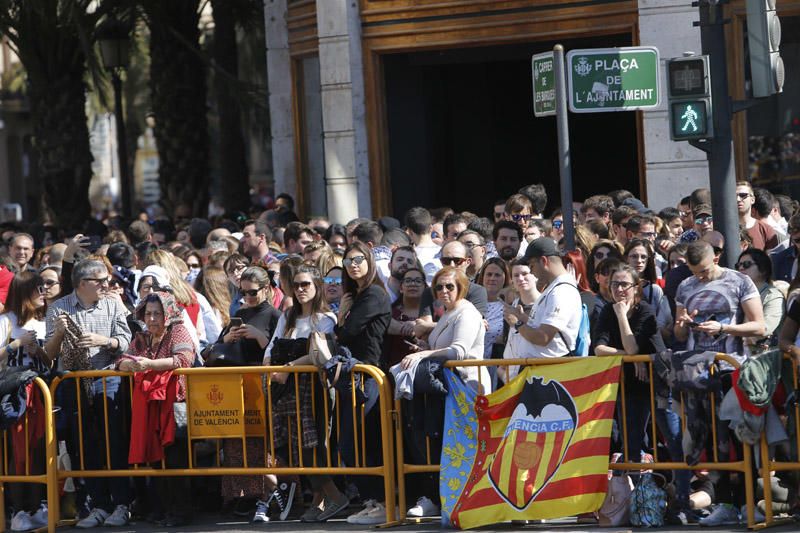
518,325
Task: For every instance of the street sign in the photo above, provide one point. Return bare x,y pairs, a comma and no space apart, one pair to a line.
544,85
613,79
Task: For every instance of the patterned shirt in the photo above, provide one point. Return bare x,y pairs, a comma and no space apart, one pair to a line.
107,317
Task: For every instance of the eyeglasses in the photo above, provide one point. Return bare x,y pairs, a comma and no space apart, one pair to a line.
497,215
683,213
621,285
648,235
743,195
357,260
115,283
743,265
99,281
304,285
435,235
449,286
470,245
332,281
703,220
193,265
557,224
49,283
413,281
251,292
600,254
40,289
717,250
447,261
518,218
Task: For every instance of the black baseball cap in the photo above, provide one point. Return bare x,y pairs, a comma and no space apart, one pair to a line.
542,247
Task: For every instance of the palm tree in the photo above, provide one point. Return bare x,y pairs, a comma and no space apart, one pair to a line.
53,39
178,98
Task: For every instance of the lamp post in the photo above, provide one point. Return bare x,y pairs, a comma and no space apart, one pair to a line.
113,38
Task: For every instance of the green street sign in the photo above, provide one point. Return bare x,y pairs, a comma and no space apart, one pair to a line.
689,119
613,79
544,85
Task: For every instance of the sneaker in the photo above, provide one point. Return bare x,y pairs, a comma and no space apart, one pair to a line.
39,518
424,507
21,522
283,496
375,515
354,518
97,517
758,516
332,508
723,515
119,517
262,512
311,514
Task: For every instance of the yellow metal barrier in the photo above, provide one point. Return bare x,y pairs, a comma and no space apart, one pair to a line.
770,465
744,466
48,478
243,417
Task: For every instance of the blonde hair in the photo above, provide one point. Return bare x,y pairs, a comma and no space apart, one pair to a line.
184,294
328,259
214,286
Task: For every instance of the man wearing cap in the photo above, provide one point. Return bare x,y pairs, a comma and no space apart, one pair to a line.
703,223
552,328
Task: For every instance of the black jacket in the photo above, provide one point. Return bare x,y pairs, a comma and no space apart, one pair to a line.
264,317
365,325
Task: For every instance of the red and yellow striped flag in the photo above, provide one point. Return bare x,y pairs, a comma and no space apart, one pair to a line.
542,445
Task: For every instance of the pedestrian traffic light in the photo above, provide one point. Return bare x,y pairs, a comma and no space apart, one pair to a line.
690,112
764,41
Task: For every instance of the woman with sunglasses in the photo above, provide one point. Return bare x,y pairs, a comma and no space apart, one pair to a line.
22,332
640,256
757,265
308,315
602,249
364,315
258,322
628,327
333,288
51,281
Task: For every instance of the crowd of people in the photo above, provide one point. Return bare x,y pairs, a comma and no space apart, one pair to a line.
152,296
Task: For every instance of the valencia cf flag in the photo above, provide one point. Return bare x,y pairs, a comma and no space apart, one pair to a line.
536,448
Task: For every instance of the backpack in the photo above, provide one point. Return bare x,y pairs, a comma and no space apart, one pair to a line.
648,503
583,340
615,510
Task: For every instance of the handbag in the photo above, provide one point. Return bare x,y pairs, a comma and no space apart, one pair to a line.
179,412
321,348
224,354
615,510
285,350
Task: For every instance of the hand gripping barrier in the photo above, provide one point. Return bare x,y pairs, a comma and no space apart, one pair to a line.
243,404
742,466
39,457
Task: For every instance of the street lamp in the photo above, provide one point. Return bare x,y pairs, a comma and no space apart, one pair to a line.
113,37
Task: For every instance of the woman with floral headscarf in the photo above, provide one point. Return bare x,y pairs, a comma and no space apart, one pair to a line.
164,346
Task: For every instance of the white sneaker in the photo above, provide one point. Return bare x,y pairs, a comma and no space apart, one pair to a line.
354,518
96,518
723,515
21,522
262,512
39,518
119,517
424,507
373,516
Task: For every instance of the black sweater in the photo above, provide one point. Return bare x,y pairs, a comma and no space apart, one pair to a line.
365,325
263,317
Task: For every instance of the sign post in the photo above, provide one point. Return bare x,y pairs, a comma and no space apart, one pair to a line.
613,79
544,85
564,158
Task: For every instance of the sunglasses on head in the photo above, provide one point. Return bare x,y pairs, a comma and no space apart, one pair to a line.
356,260
447,261
332,281
251,292
449,286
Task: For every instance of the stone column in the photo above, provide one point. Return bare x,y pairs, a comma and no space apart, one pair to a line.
279,86
673,169
342,89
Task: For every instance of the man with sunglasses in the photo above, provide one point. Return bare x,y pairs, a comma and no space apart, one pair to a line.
784,262
106,336
764,237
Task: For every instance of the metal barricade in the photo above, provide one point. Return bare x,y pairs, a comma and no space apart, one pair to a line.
249,414
791,463
743,466
45,464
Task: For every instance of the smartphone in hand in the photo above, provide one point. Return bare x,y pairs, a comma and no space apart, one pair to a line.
235,322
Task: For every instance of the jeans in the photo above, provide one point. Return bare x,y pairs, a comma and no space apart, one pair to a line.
669,424
106,493
369,487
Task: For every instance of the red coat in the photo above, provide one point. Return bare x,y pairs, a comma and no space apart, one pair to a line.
153,419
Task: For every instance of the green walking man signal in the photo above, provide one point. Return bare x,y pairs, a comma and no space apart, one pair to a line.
689,98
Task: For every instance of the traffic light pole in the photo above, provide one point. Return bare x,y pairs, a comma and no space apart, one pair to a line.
721,167
564,156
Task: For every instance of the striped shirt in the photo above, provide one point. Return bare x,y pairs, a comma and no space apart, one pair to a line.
107,317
